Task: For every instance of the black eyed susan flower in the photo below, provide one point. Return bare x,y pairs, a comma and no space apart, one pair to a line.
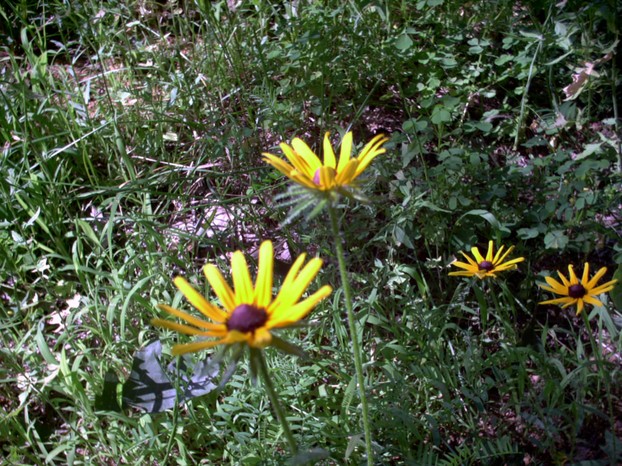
575,291
250,311
486,267
306,168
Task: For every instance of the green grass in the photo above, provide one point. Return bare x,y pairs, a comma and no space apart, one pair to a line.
131,129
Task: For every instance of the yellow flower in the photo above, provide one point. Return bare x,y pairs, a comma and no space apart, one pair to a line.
250,312
307,170
575,291
488,267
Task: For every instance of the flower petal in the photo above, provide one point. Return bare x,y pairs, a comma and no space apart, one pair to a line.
589,284
348,174
299,162
292,273
345,151
511,264
586,274
242,283
288,315
263,284
189,318
329,154
198,301
567,300
497,257
220,287
502,258
603,288
563,278
368,155
477,255
181,328
557,287
470,260
592,300
277,163
462,265
489,254
304,151
371,150
302,179
288,296
193,347
327,177
461,274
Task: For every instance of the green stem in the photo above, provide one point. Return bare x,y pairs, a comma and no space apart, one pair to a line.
173,430
595,348
600,364
274,399
523,103
356,347
616,116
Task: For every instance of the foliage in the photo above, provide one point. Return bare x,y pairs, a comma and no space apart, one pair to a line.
133,137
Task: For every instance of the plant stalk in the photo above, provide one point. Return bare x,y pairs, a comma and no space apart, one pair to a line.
356,347
600,368
274,399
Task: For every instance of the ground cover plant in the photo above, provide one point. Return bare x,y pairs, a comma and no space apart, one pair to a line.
475,317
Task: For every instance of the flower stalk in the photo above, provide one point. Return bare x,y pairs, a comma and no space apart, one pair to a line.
600,368
262,368
356,347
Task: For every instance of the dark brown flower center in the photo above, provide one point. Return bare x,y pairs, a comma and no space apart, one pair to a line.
247,318
486,265
576,291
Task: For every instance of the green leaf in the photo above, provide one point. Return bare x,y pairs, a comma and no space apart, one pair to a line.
555,239
408,154
403,42
440,115
616,293
289,348
44,349
588,165
528,233
413,124
590,149
531,35
401,237
490,218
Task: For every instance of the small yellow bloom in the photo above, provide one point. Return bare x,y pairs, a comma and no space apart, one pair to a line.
575,291
307,170
488,267
250,312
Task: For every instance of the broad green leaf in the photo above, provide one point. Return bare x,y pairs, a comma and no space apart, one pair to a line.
555,239
403,42
616,293
490,218
440,115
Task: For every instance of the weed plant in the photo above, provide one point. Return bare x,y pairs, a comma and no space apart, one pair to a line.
132,135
